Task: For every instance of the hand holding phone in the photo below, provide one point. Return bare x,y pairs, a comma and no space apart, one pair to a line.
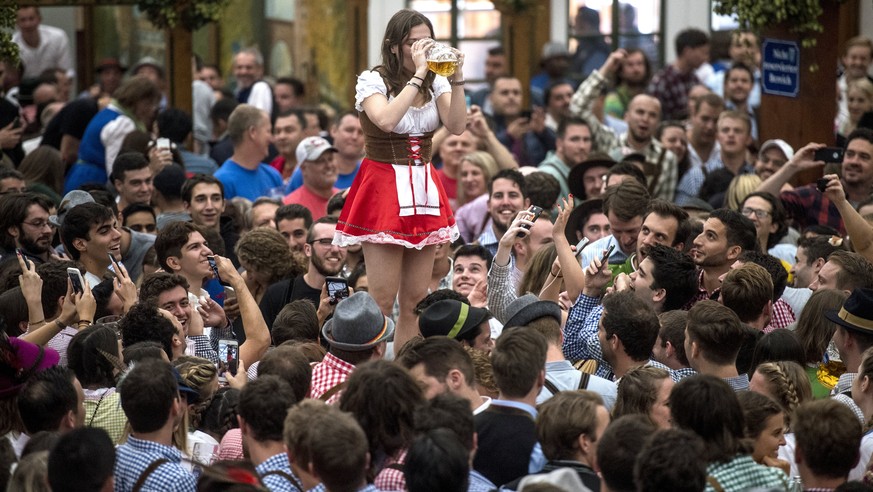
213,266
228,354
337,288
532,214
606,253
77,280
829,154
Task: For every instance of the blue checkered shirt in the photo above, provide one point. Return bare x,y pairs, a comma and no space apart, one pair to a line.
134,456
580,334
277,482
738,383
478,483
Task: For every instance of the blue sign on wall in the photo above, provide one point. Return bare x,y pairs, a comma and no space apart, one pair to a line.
780,68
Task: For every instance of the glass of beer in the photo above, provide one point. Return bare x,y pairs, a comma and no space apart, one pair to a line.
441,60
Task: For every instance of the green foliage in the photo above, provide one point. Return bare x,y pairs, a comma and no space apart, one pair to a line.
8,49
757,14
190,14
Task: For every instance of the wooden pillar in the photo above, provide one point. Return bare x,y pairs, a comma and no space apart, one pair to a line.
810,116
179,74
524,34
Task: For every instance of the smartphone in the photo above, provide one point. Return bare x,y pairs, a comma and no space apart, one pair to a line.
526,113
337,288
829,154
77,280
580,246
16,123
213,266
606,253
163,144
113,264
822,184
228,354
534,212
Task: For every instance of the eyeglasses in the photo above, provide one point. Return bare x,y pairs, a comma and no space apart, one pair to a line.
39,224
325,241
758,213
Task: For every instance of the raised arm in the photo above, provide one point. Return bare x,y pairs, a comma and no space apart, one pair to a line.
856,227
571,269
478,125
256,330
803,159
386,114
452,106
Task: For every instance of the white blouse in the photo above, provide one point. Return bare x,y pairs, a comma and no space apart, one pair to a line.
417,120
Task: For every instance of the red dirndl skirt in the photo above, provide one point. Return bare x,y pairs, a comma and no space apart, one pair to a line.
372,213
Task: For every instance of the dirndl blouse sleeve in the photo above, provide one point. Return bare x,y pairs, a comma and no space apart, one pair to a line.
417,120
369,83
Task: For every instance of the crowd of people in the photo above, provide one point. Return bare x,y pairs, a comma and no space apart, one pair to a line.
622,290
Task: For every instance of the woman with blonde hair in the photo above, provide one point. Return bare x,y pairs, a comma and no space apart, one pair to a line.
201,376
740,186
477,169
783,381
645,390
538,271
859,97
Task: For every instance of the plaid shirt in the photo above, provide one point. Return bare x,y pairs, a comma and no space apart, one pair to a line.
671,87
478,483
690,184
780,317
605,139
134,456
702,293
61,341
328,373
842,393
277,482
103,410
808,206
392,478
742,473
738,383
502,286
231,446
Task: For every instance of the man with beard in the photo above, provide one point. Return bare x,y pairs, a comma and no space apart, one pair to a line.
557,104
287,134
24,221
643,116
506,196
806,204
726,234
325,260
772,156
525,136
631,79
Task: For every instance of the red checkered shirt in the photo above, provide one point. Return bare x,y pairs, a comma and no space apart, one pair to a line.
231,447
328,373
781,316
702,293
391,478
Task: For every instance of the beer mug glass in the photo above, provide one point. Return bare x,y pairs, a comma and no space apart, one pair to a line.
441,60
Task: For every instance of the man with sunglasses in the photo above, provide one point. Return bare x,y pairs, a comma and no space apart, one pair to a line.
325,260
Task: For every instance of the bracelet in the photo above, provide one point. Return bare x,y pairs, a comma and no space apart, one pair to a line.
417,77
413,84
85,321
32,323
457,82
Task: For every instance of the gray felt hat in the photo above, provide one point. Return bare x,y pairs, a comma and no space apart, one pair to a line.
357,324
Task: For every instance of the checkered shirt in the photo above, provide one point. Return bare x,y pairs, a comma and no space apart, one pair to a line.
691,182
277,482
328,373
109,415
605,140
478,483
742,473
580,334
503,284
231,446
781,316
61,341
808,206
738,383
134,456
671,87
702,293
390,478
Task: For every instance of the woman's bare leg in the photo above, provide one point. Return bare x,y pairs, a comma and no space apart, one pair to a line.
384,263
414,279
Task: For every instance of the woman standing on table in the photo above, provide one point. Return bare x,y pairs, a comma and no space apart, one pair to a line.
396,208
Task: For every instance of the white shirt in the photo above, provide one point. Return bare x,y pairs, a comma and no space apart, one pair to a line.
53,52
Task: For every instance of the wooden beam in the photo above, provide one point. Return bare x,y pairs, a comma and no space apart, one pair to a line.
179,68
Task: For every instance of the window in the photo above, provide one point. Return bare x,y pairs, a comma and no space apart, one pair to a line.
598,27
473,26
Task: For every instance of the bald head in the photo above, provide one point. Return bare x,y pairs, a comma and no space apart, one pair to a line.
642,116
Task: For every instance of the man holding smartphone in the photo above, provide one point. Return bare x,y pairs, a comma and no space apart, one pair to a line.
806,204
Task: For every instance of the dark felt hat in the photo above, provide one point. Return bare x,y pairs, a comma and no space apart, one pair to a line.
856,313
574,179
450,318
574,221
